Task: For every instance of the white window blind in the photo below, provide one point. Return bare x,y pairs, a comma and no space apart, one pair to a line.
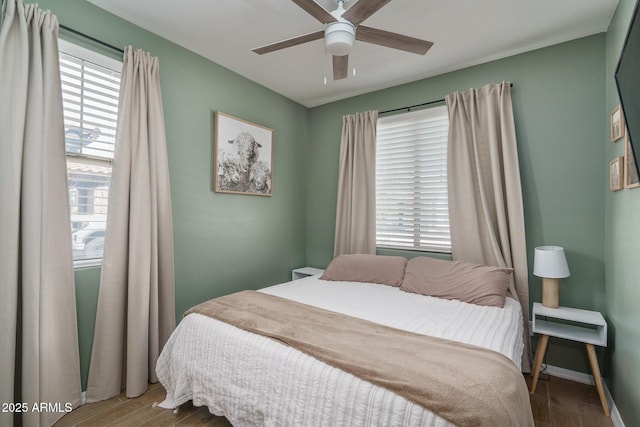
411,181
90,90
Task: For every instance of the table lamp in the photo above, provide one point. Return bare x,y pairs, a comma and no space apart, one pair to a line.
550,263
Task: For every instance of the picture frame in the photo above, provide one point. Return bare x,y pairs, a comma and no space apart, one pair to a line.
616,174
243,157
617,128
631,179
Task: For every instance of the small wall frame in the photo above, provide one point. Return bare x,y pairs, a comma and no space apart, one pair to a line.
631,179
243,157
617,128
616,170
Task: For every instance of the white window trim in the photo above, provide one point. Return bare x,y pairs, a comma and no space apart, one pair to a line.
392,162
89,55
103,61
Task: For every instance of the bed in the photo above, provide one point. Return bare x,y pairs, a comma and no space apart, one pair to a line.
255,380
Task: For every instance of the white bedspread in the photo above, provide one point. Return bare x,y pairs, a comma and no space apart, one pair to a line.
256,381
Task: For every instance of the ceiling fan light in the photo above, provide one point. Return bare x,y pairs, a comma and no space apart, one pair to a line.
339,38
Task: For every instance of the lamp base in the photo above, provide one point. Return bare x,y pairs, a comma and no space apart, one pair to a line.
550,292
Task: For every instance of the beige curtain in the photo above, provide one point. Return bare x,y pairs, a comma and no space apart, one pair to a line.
485,195
355,231
38,333
136,303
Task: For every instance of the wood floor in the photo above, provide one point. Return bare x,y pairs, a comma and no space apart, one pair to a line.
120,411
557,403
562,403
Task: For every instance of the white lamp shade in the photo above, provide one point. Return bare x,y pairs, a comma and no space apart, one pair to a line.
550,262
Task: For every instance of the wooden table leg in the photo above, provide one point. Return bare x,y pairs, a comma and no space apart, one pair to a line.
540,350
595,369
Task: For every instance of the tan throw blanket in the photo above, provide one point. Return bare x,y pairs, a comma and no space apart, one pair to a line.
464,384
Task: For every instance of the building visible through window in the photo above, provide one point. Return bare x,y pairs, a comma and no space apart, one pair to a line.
90,89
412,211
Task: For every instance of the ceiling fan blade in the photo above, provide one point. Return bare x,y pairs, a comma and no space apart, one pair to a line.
289,42
340,67
315,10
393,40
363,9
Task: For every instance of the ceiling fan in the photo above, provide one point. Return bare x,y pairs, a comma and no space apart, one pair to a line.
342,27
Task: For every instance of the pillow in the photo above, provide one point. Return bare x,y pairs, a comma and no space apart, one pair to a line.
387,270
473,283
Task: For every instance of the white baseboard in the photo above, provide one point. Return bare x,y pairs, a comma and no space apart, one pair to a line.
580,377
568,374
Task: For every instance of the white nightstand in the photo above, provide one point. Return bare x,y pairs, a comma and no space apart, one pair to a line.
588,327
299,273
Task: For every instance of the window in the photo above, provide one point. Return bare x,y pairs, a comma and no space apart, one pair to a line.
90,89
411,181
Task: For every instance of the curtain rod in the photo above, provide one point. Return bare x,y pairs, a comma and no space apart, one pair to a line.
424,104
93,39
409,107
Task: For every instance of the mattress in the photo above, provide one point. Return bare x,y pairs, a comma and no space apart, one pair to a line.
256,381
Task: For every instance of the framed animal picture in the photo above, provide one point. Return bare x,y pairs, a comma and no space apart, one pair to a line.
243,153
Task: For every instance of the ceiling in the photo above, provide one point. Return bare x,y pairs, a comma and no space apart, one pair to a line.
464,33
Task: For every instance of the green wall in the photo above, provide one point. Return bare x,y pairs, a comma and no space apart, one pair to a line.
558,99
223,242
622,246
562,96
